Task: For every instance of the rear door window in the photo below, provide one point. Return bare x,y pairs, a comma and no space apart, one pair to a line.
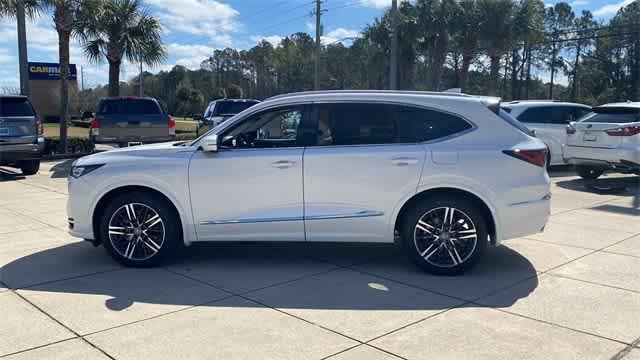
355,124
15,107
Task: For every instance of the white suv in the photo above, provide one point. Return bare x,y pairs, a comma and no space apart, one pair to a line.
606,139
448,173
548,119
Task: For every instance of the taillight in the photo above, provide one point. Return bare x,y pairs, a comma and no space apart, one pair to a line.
95,127
39,129
536,157
172,126
626,131
570,129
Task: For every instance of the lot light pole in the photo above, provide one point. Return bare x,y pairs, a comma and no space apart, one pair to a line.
316,65
393,66
22,49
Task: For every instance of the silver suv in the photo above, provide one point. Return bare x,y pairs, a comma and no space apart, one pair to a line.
21,139
449,173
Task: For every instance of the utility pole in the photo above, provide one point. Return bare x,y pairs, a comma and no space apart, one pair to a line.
393,68
22,49
316,67
140,80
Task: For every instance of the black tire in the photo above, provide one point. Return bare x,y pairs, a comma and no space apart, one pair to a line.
414,239
589,173
116,244
30,167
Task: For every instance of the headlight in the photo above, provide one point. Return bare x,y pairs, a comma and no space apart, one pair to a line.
81,170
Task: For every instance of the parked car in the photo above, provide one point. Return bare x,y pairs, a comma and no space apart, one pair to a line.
132,120
449,173
606,139
21,135
548,121
220,110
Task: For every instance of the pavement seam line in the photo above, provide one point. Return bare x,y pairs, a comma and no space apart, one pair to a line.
362,345
624,352
77,335
593,283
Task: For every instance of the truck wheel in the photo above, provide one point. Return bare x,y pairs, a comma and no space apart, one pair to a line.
30,167
589,173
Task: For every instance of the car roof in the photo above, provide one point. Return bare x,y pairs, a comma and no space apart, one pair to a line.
379,95
539,103
13,97
627,104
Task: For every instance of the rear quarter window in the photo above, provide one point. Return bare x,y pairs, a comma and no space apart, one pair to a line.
417,125
15,107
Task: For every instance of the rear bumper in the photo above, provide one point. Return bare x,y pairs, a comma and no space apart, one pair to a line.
526,218
623,159
11,153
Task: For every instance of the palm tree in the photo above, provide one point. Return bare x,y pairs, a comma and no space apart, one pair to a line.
495,28
466,36
20,9
117,29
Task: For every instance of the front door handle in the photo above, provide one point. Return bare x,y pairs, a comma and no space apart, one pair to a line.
283,164
404,161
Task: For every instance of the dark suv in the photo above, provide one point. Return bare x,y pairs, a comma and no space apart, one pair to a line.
220,110
21,139
132,120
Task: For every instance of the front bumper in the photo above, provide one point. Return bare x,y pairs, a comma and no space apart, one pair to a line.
11,153
78,208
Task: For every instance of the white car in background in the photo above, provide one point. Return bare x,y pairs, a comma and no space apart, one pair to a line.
606,139
449,173
548,120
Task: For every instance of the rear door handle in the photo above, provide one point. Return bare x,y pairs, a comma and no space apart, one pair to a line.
404,161
283,164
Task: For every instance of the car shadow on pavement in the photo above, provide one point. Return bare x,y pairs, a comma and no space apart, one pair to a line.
622,186
62,169
10,175
302,276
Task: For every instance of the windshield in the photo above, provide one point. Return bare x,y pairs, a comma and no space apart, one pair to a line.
610,118
232,107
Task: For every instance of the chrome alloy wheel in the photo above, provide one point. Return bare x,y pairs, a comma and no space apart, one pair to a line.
445,237
136,231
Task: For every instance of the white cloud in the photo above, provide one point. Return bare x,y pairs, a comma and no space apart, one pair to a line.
273,39
198,17
578,3
339,34
376,3
190,55
611,9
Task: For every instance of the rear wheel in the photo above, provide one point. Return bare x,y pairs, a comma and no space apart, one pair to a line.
445,235
30,167
139,229
589,173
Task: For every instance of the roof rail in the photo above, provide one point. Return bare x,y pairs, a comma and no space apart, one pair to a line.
338,92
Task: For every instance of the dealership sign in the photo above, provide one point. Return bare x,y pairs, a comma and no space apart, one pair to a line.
49,71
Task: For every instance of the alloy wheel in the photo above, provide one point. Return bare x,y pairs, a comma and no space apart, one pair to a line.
445,237
136,231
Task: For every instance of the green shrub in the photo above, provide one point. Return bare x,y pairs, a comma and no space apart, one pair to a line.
75,145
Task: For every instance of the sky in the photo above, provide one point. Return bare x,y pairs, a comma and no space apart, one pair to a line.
194,28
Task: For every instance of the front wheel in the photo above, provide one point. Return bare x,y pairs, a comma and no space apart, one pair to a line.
139,229
445,235
589,173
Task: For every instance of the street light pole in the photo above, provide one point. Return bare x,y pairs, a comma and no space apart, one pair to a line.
393,66
22,49
316,67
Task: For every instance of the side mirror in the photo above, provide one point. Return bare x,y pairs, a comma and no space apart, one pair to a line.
210,143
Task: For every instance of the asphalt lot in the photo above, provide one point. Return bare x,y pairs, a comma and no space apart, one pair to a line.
572,292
